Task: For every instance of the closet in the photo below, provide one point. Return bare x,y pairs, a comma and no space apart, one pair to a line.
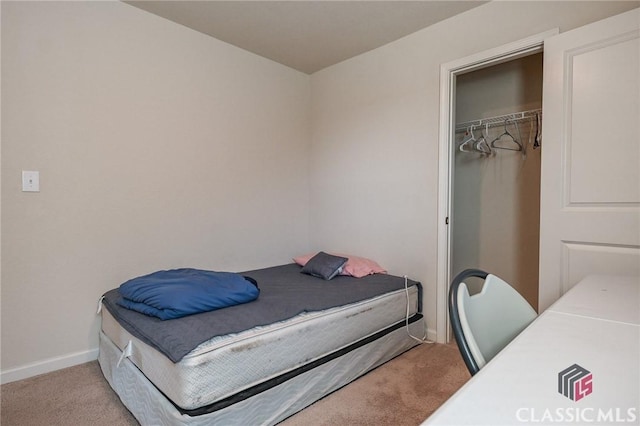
496,173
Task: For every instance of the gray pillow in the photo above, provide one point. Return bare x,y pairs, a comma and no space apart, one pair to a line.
324,265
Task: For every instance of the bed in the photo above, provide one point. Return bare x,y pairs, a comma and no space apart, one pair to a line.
269,365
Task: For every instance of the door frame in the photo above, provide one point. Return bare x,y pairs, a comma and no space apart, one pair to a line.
448,73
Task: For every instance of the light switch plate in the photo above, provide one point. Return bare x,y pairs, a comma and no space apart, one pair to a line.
30,181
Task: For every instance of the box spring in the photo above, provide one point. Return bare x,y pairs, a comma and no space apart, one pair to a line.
228,369
268,407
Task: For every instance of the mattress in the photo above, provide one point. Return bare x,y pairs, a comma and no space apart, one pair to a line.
226,370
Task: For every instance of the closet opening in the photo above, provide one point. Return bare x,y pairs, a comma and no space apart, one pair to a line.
495,210
489,168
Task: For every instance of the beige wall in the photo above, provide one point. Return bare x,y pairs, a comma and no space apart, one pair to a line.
500,89
160,147
374,154
157,146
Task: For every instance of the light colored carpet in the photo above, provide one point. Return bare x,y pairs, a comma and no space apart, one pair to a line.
77,395
404,391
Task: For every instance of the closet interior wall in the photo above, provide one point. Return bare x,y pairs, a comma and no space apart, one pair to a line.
496,198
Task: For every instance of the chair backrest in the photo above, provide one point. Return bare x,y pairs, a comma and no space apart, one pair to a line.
483,324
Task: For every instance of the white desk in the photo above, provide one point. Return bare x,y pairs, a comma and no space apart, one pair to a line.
595,325
603,297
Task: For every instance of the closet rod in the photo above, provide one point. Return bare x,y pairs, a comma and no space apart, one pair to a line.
500,119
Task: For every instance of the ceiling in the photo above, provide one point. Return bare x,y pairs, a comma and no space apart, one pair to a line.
306,35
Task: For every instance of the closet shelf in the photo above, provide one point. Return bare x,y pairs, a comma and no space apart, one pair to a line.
500,119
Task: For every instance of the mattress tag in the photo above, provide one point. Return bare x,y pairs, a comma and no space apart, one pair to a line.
100,305
126,353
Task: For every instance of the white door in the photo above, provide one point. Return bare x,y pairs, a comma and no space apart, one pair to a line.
590,184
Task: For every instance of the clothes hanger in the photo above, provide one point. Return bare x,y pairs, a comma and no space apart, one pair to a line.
536,141
481,144
506,140
472,139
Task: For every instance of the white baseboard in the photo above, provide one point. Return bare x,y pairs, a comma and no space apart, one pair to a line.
431,335
47,366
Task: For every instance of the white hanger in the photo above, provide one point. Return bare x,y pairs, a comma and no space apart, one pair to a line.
481,144
506,140
472,139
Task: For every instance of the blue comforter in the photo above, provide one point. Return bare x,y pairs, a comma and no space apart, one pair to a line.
179,292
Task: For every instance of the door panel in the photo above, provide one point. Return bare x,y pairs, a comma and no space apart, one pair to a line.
590,195
603,119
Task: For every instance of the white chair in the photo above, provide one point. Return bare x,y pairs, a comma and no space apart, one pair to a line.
483,324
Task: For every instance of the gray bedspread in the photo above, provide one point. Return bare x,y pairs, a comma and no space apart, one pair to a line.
284,293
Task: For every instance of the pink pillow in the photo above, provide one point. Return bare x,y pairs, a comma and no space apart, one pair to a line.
356,266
